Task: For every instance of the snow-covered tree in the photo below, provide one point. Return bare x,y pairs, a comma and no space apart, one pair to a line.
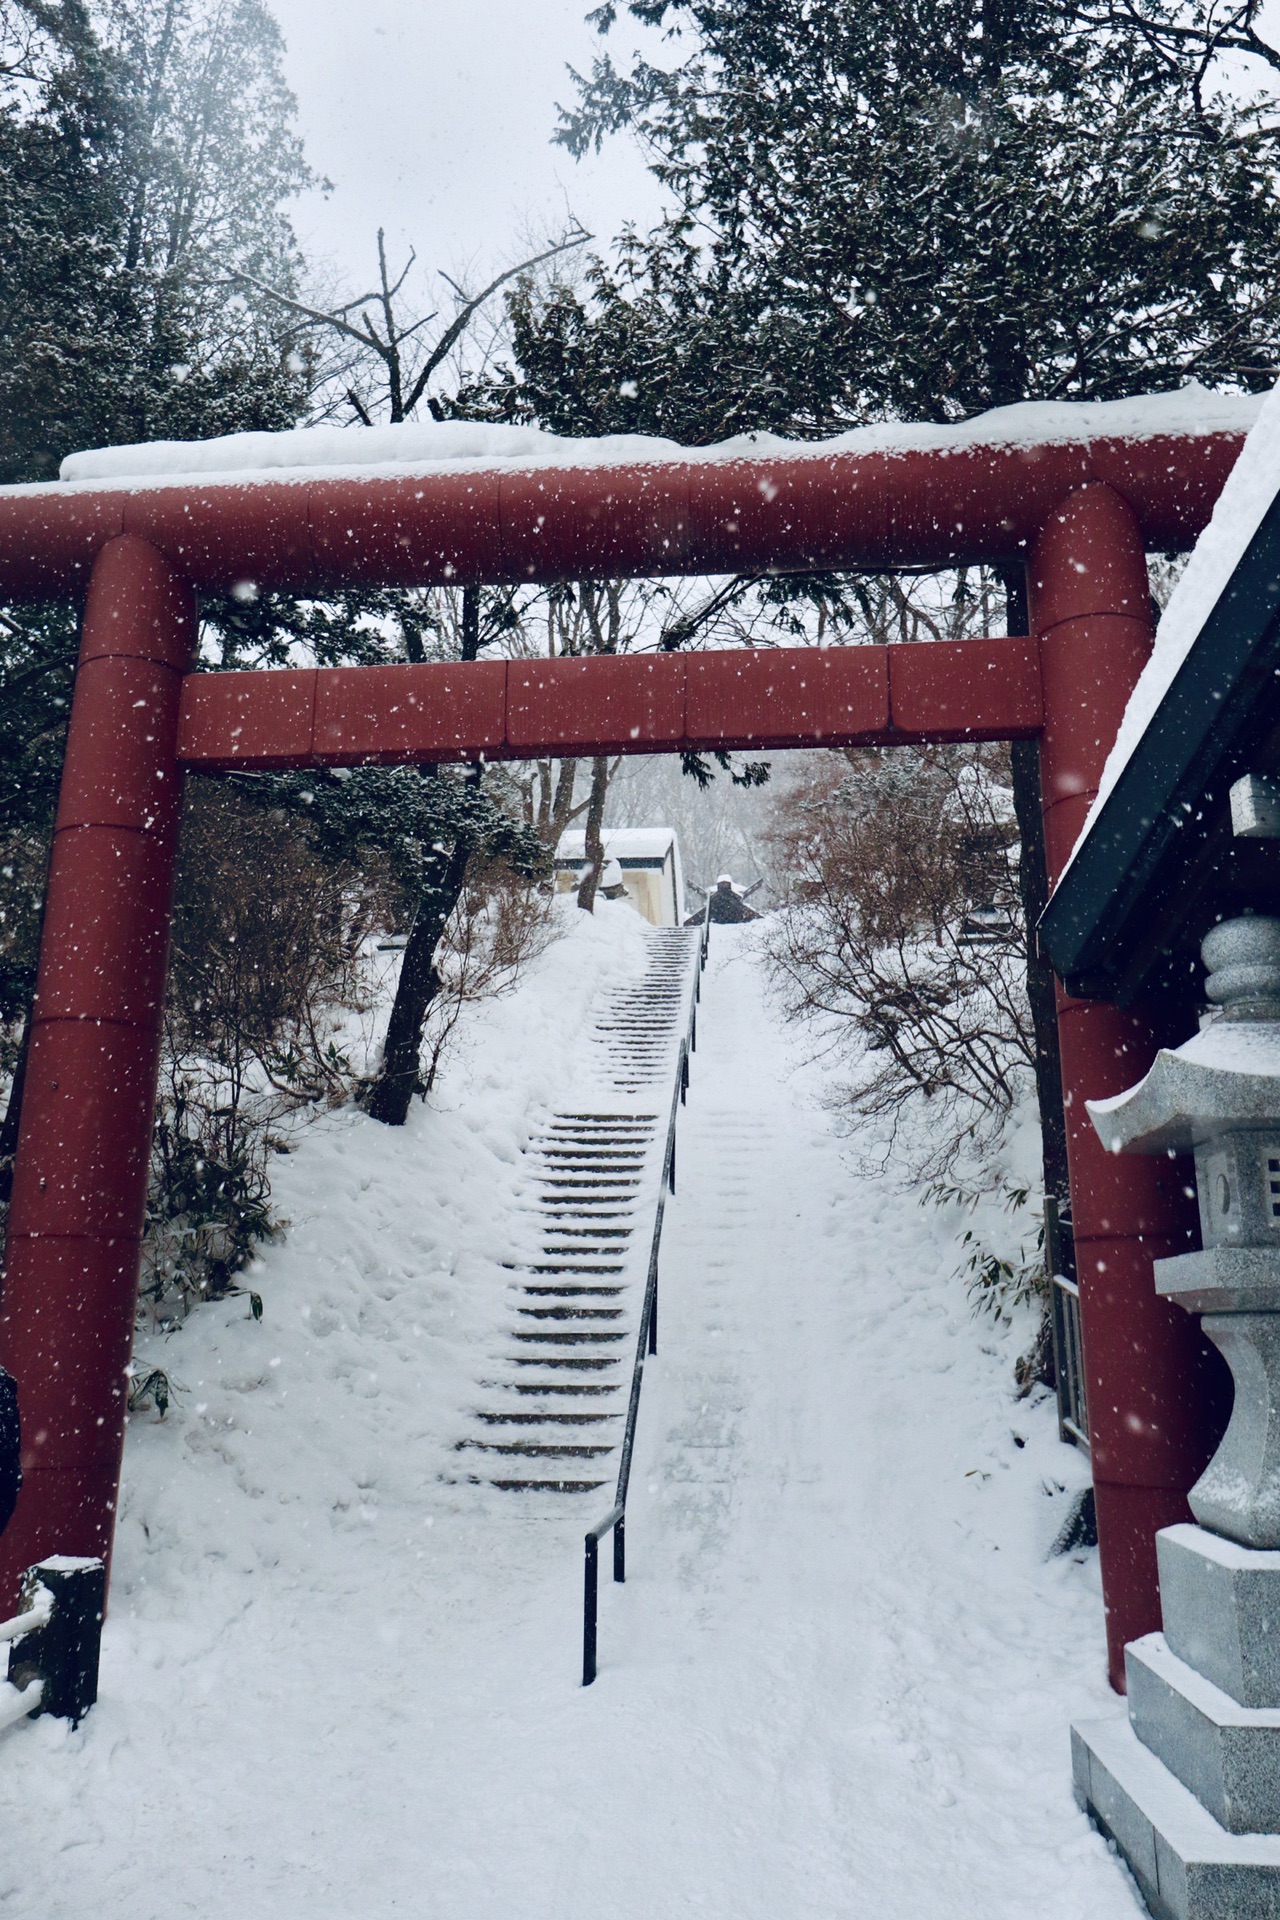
923,208
145,146
919,209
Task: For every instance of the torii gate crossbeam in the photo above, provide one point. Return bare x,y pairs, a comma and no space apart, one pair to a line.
1081,514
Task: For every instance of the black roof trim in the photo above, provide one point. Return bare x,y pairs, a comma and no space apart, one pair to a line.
1197,740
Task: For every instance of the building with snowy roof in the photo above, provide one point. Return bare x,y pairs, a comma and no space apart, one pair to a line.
651,871
727,904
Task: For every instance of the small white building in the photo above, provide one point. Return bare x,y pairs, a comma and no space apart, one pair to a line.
651,872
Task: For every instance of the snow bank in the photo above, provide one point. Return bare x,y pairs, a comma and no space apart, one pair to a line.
1241,506
427,445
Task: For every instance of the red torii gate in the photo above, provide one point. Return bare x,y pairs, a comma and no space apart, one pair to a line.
1082,514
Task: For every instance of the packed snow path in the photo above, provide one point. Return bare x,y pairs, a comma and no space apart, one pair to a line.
836,1684
555,1398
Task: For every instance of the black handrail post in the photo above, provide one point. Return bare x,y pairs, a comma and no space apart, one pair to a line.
620,1548
62,1652
653,1313
590,1585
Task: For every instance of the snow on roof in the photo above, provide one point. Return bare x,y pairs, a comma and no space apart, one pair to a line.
620,843
1241,506
419,446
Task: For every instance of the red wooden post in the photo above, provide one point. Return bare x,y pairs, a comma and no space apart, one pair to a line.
80,1181
1151,1380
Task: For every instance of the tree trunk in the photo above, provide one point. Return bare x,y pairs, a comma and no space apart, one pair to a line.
561,805
389,1097
1033,887
593,845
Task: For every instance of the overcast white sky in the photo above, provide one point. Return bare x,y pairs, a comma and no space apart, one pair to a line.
433,118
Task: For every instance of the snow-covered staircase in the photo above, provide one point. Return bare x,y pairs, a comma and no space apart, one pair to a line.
555,1390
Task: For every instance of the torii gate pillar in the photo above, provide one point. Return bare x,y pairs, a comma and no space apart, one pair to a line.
80,1181
1151,1378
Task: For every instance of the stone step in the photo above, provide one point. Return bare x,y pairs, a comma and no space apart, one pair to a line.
578,1266
1228,1755
533,1388
601,1201
614,1136
1187,1865
592,1156
598,1337
582,1248
612,1139
544,1419
1220,1605
548,1486
606,1168
572,1293
580,1362
584,1183
590,1233
572,1313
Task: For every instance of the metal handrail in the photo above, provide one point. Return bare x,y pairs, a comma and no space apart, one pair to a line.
615,1521
1068,1343
1068,1340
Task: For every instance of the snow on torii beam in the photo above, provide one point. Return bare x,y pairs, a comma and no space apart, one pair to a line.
1081,513
945,505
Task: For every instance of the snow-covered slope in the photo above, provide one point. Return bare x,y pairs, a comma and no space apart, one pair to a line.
837,1682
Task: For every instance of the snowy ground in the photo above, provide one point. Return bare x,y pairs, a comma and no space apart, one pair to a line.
837,1682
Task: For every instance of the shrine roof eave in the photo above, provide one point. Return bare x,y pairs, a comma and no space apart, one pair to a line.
1158,864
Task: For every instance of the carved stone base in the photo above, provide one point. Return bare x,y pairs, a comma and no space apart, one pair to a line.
1238,1495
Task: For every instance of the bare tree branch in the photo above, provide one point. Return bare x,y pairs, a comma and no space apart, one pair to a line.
314,314
463,319
389,342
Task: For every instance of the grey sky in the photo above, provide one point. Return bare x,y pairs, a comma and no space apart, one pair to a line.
433,118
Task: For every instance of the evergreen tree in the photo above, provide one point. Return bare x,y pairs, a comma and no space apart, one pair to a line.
146,150
133,180
920,209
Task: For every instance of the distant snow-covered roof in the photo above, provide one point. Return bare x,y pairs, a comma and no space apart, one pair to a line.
620,843
425,445
1251,487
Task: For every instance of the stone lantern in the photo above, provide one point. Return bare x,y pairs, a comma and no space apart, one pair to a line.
1218,1096
1189,1785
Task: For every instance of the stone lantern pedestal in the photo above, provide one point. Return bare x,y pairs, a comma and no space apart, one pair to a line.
1188,1786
